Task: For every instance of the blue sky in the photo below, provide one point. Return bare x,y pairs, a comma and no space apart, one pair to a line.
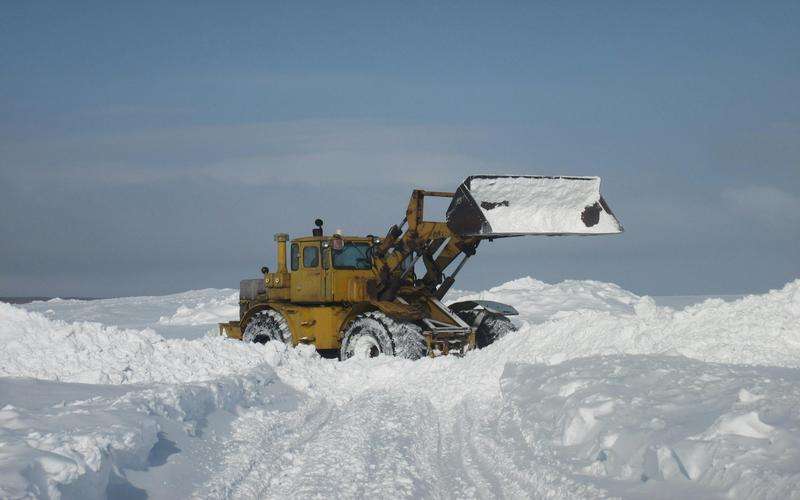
152,148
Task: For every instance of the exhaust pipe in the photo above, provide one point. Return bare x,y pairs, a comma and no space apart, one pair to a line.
282,238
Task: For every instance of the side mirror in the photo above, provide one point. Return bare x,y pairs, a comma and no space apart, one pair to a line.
264,270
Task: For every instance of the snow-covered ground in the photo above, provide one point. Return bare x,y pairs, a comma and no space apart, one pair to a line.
181,315
600,393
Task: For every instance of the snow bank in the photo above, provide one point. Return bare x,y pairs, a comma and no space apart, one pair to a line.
538,301
73,448
32,345
757,329
645,421
69,450
204,313
581,318
140,313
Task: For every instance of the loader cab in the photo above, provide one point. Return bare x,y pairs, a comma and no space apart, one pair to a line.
327,268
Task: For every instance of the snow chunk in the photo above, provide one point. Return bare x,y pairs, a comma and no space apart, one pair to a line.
584,421
746,424
747,397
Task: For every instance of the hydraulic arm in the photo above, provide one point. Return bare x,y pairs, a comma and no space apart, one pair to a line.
485,207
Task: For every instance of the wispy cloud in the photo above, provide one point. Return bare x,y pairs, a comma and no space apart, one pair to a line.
297,152
768,203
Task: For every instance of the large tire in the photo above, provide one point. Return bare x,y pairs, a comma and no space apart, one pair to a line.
490,327
372,334
265,326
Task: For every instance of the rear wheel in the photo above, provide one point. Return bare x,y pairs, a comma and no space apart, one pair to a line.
265,326
372,334
490,326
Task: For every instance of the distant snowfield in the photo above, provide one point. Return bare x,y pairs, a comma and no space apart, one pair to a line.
601,393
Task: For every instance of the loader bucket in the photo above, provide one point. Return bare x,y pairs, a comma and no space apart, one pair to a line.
497,206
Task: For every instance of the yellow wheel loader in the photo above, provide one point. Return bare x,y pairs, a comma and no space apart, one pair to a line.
359,296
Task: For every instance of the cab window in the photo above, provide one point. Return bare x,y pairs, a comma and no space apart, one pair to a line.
295,257
352,256
310,256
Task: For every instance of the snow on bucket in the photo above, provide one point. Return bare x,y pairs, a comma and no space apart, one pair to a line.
496,206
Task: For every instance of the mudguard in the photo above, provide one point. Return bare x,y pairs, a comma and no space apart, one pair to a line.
489,305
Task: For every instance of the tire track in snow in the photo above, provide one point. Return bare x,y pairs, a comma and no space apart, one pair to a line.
263,442
386,429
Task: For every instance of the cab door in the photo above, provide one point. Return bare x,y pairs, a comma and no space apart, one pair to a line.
327,274
307,277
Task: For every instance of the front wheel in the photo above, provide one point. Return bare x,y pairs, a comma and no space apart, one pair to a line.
489,326
371,334
265,326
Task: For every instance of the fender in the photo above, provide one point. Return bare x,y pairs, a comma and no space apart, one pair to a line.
251,312
488,305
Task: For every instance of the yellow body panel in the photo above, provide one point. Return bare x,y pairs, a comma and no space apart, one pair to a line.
316,325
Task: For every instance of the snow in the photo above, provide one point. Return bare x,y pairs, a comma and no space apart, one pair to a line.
538,301
205,313
601,393
74,440
746,424
640,422
541,205
757,329
35,346
164,314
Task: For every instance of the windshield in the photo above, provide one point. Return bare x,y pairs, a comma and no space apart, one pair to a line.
352,256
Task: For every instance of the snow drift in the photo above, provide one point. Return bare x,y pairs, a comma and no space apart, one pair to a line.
73,440
600,393
757,329
204,313
32,345
580,319
538,301
634,422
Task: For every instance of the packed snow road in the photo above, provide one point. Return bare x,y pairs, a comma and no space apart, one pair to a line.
600,394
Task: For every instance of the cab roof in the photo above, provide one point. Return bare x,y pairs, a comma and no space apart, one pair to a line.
305,239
